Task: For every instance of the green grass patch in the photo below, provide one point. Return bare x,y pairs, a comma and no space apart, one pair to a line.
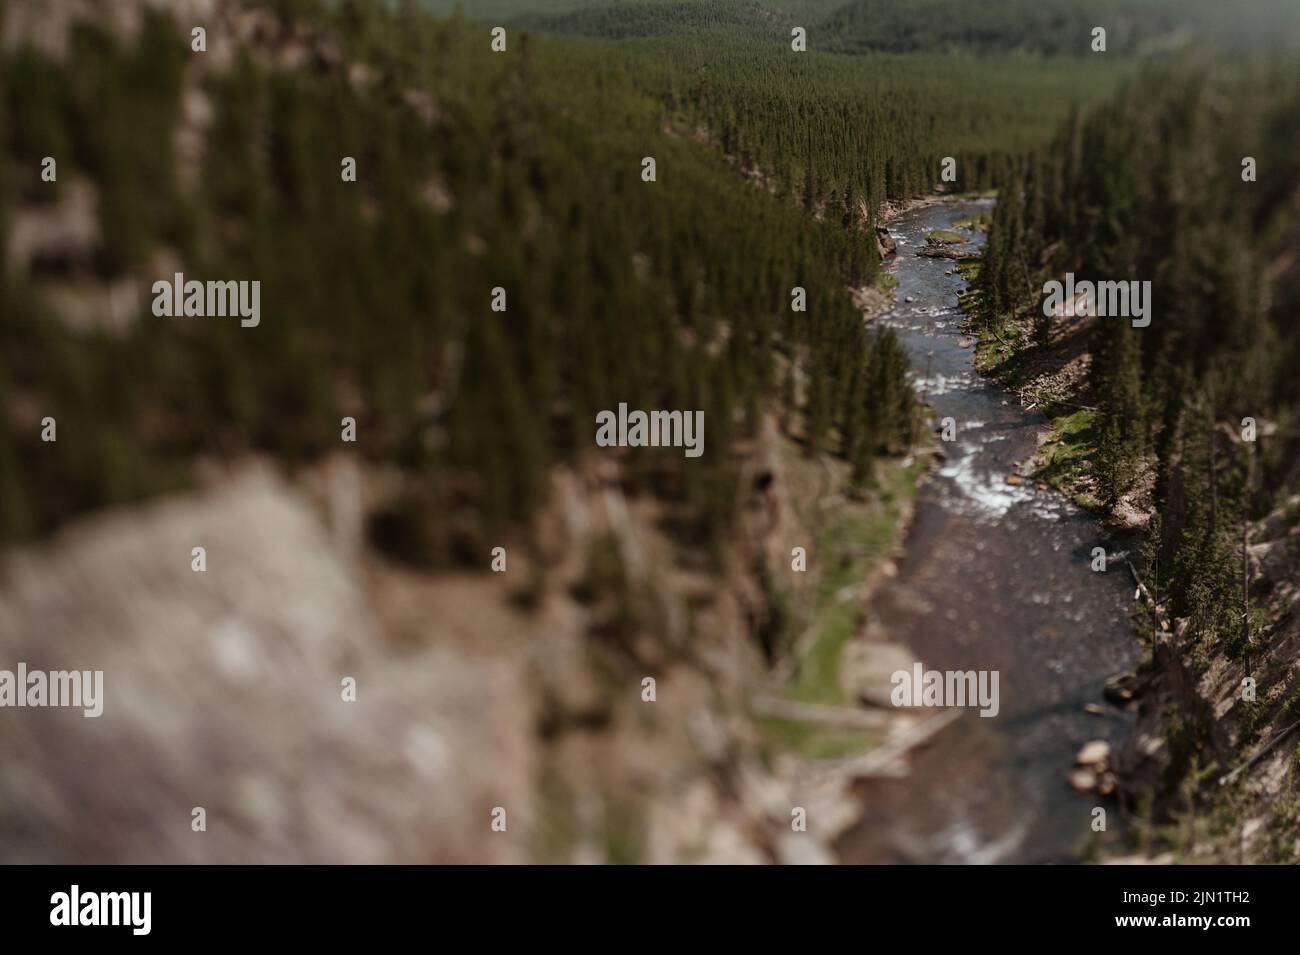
852,545
818,742
978,223
819,671
996,355
850,542
1066,454
945,237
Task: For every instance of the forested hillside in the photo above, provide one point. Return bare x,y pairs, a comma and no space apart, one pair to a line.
674,293
809,11
1062,27
801,122
480,178
475,171
661,17
1186,179
1151,187
1032,27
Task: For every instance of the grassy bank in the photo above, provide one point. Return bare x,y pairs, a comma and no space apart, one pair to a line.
853,539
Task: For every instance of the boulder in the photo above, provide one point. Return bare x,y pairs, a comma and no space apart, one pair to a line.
1083,780
1121,689
866,667
1093,753
885,242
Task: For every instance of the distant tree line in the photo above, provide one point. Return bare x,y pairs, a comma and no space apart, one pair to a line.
1062,27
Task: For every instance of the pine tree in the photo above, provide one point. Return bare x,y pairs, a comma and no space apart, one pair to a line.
1121,422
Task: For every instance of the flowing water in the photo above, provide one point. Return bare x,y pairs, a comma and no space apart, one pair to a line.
994,577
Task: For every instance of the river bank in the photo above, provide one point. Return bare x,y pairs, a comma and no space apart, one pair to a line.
994,576
1204,772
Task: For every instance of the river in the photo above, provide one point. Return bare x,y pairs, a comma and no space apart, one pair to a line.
994,577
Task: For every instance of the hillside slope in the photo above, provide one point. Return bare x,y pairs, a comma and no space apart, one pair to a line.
1185,428
326,560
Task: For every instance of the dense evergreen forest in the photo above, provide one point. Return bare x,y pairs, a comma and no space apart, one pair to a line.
1033,27
803,123
1150,187
475,172
667,294
660,18
1062,27
1186,179
809,11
